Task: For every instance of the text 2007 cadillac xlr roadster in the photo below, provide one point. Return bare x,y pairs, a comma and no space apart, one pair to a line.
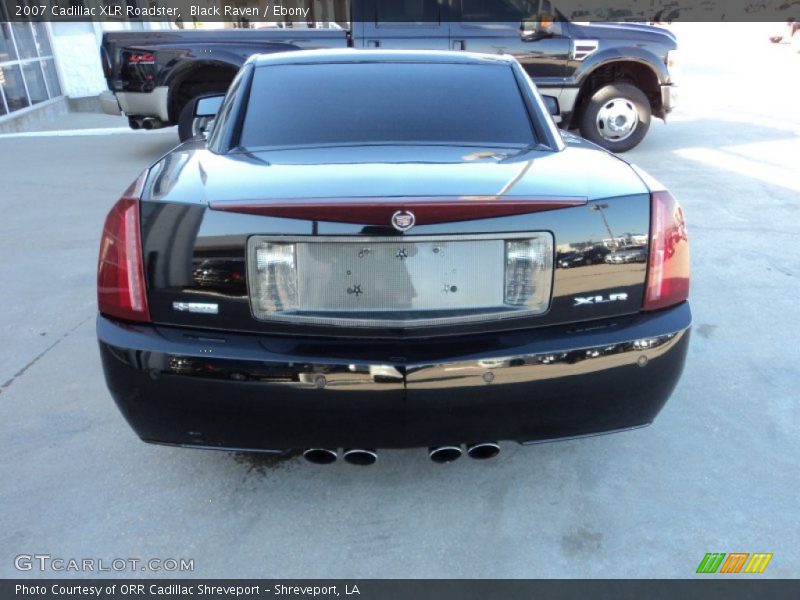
361,255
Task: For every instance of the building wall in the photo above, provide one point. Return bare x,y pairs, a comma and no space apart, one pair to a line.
76,49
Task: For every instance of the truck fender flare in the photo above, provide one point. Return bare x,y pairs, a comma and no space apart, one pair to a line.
603,58
185,69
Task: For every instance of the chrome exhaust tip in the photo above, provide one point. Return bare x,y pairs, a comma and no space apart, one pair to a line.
360,456
150,123
444,454
134,123
320,456
483,450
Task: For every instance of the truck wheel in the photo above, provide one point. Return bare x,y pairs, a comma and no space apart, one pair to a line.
616,117
188,125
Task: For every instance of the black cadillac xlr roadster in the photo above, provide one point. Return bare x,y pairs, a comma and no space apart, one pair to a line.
361,254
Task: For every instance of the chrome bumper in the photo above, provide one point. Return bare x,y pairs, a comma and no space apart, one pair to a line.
177,386
669,97
109,104
141,104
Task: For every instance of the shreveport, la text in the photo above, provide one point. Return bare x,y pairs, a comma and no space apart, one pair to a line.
178,589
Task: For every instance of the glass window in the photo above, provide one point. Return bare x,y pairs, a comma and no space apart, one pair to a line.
28,80
26,46
404,11
6,44
51,77
491,10
14,89
42,41
389,102
35,80
506,10
222,120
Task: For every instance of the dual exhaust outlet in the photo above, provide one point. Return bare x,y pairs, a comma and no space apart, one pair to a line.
446,454
327,456
145,123
368,456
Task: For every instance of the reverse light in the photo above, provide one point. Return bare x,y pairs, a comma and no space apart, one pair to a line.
529,264
668,262
121,289
275,286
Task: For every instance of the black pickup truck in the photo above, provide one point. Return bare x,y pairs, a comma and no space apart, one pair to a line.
608,78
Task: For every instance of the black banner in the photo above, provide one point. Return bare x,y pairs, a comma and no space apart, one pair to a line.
322,13
369,589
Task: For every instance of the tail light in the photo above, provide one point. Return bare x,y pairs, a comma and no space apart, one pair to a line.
144,58
120,273
668,263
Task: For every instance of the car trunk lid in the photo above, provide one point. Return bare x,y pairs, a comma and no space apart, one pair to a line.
203,232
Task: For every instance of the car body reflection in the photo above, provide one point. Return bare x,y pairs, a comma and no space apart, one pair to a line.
628,254
221,274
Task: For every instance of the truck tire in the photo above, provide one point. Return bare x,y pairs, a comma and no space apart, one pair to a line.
616,117
188,126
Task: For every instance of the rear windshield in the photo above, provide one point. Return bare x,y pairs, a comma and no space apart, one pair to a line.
377,103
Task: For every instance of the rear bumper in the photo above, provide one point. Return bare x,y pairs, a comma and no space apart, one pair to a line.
108,102
669,98
145,104
238,391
